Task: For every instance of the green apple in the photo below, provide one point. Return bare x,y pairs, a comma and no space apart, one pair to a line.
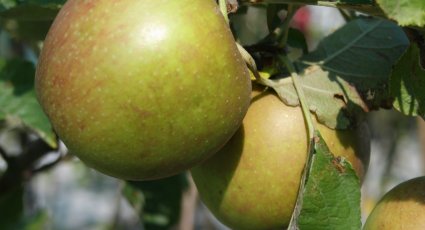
142,89
403,207
253,181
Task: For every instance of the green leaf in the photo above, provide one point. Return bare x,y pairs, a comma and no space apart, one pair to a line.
362,52
332,99
158,202
18,99
405,12
408,84
331,199
134,196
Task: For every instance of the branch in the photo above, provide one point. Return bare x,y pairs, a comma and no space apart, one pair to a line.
364,7
19,168
48,165
4,155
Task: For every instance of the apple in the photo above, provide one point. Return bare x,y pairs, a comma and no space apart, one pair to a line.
253,181
142,89
403,207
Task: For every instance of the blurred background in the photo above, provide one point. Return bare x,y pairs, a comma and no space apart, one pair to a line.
60,192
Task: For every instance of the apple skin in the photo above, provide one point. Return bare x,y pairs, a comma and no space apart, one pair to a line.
253,181
139,89
403,207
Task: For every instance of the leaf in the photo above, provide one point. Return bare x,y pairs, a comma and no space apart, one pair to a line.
408,84
18,100
361,52
405,12
134,197
331,199
334,101
158,202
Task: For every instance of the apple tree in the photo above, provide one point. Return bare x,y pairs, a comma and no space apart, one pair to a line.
150,92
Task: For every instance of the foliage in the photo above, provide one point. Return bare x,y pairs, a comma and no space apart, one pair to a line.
366,65
157,202
330,175
18,101
407,84
405,12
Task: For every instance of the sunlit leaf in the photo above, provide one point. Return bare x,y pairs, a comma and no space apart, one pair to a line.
331,199
408,84
405,12
332,99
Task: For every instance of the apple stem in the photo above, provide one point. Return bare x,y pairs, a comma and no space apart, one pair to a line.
250,62
223,9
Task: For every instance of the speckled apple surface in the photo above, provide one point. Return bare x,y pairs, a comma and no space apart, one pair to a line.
402,208
142,89
253,181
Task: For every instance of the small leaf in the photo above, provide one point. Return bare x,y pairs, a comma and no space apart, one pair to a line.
405,12
331,199
18,100
408,83
134,197
334,101
158,202
362,52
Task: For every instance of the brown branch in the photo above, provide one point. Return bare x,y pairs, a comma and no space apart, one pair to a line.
4,155
367,8
48,165
19,168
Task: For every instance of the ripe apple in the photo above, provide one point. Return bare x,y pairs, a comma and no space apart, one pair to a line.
253,181
142,89
403,207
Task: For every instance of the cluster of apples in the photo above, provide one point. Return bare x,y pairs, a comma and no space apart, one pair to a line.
142,90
